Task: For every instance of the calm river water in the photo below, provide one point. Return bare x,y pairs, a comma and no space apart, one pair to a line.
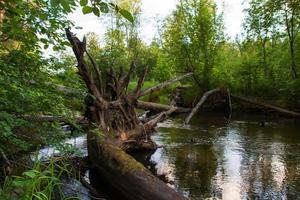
246,158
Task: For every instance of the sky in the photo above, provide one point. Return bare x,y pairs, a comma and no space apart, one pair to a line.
153,10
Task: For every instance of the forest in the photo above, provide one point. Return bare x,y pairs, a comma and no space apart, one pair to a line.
195,97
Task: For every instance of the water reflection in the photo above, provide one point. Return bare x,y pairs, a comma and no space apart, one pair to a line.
240,160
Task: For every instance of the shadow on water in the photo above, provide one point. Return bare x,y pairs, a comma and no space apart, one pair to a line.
243,159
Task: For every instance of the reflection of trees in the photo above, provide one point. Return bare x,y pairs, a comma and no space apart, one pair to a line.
267,159
270,163
195,167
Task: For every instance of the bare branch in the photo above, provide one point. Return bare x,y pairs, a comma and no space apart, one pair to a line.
140,82
126,79
97,70
79,49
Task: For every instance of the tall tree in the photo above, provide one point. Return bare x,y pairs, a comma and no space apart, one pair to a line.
289,12
259,24
191,38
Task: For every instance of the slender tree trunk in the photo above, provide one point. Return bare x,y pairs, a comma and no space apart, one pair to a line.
290,26
265,58
293,61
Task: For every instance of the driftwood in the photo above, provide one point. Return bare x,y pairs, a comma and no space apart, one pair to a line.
280,110
112,108
200,103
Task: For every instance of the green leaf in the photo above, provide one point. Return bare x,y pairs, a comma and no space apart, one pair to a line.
83,2
127,15
31,173
53,3
104,7
87,9
21,183
96,11
65,5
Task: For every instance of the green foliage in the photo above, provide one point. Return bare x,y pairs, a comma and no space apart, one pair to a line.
192,35
127,15
102,6
36,22
41,182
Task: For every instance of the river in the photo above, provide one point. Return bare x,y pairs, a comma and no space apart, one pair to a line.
250,157
246,158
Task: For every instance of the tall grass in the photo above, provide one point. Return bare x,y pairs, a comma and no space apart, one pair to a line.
42,182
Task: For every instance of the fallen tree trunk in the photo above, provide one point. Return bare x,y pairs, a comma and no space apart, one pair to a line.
160,107
200,103
125,174
280,110
112,108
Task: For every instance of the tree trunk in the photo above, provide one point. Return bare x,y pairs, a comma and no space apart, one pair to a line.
125,174
293,62
112,109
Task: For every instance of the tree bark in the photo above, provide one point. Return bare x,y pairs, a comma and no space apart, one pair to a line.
125,174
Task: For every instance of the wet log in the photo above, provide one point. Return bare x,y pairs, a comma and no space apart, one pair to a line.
200,103
160,107
277,109
125,174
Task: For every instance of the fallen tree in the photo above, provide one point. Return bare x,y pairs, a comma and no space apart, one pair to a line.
277,109
111,107
231,98
200,103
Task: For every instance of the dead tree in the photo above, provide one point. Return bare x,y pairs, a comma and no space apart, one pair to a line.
112,107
